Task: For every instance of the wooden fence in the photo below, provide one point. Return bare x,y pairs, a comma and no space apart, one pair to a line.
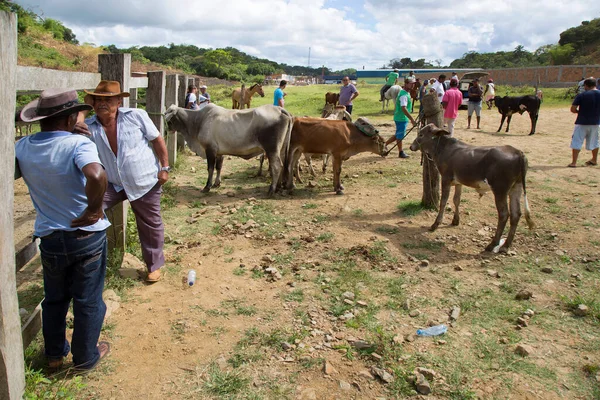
161,91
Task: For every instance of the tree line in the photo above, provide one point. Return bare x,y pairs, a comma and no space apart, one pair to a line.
577,45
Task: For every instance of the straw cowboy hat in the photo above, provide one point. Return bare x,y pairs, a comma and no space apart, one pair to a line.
108,89
53,103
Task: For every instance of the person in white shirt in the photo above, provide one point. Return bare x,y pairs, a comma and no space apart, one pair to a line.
439,87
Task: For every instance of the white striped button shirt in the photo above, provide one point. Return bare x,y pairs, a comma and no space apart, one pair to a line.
135,168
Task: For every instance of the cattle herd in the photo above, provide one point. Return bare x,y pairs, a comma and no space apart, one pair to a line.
272,132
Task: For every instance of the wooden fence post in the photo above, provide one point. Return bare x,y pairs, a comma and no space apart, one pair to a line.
155,99
133,97
431,177
182,90
12,368
171,97
117,67
183,85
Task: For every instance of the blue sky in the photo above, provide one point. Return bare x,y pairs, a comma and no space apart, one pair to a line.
341,33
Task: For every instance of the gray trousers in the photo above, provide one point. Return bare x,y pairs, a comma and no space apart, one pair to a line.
149,223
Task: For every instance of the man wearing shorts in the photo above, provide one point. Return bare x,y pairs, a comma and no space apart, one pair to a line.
475,94
587,107
401,118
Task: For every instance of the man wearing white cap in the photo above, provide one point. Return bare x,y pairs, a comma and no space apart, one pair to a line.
204,93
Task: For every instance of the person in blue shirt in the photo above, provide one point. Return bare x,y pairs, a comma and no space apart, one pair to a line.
66,182
587,107
279,94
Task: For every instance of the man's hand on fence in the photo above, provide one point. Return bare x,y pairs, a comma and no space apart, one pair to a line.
81,128
89,217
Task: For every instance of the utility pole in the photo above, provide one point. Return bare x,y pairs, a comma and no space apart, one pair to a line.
309,57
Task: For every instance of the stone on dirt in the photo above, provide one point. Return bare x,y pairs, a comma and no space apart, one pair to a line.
131,262
455,313
328,368
382,374
524,350
424,263
547,270
524,295
345,385
414,313
422,385
268,258
286,346
361,344
428,373
366,374
493,273
348,295
529,312
581,311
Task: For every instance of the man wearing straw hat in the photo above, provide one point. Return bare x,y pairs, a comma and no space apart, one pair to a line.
137,165
66,182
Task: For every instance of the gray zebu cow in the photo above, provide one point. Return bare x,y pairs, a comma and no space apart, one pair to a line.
500,169
218,131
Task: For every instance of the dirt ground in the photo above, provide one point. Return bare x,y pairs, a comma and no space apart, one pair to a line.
351,287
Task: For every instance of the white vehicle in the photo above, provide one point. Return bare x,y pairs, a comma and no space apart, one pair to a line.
465,83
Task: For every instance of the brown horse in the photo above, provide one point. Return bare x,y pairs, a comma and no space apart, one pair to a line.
413,89
240,102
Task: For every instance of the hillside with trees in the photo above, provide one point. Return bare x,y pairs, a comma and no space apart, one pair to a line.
46,42
577,45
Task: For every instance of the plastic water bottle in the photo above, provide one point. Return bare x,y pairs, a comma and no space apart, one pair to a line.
191,277
433,331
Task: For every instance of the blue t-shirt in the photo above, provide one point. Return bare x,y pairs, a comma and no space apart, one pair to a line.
589,107
277,96
51,164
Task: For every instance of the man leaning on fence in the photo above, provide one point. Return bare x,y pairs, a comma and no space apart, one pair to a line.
137,165
66,182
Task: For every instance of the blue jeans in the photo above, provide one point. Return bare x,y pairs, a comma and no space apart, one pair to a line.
74,264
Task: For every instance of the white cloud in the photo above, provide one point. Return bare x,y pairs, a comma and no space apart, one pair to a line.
353,34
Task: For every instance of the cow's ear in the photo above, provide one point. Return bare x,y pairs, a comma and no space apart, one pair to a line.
439,132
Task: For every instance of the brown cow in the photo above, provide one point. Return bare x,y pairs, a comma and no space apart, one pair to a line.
501,169
331,101
342,139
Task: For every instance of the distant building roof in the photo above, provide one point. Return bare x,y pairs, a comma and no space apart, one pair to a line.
383,72
339,77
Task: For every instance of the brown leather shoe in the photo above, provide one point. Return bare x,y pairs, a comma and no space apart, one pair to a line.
55,364
153,276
